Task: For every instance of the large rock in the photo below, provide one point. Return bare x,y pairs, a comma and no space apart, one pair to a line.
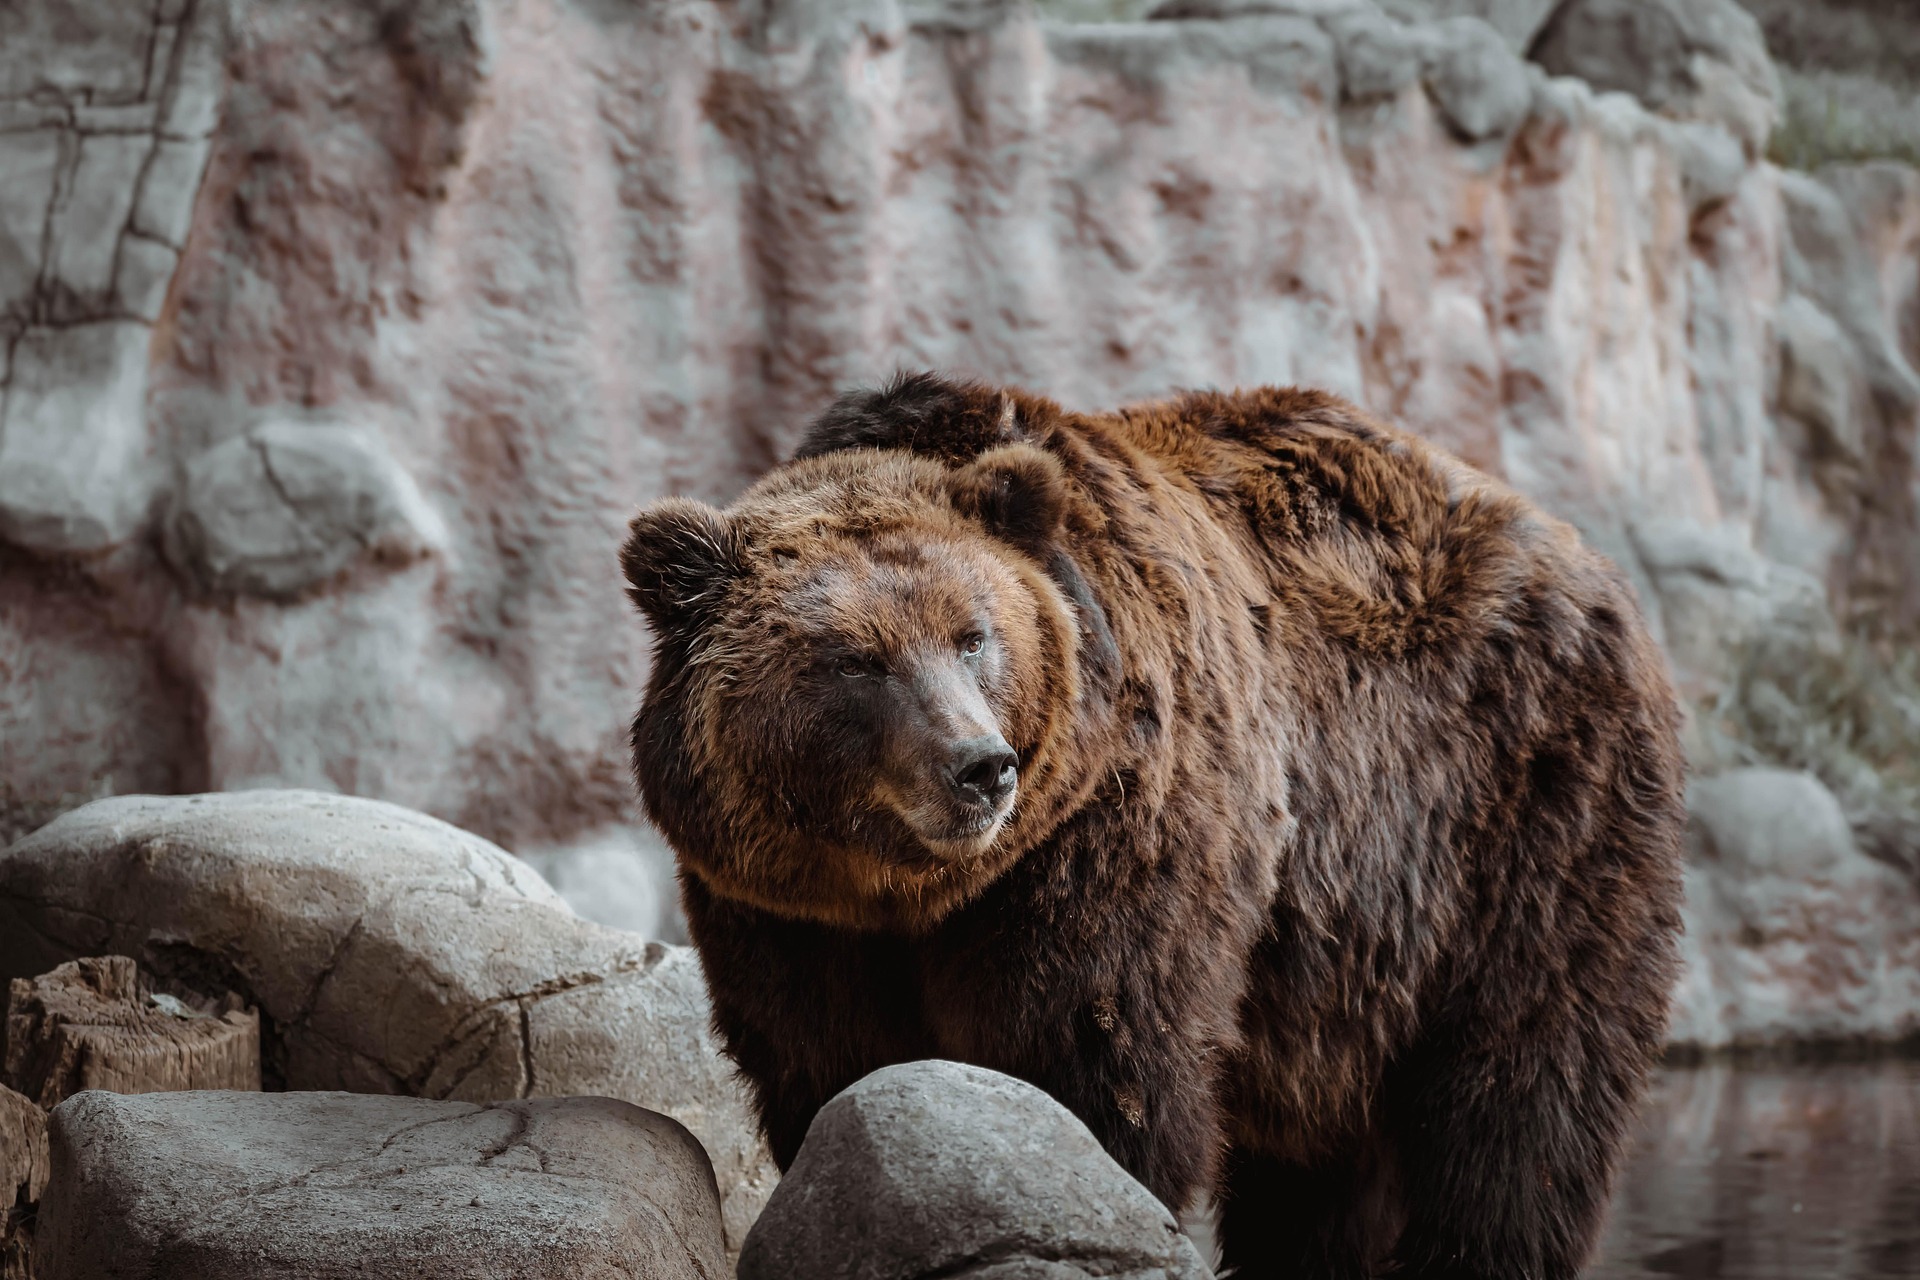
942,1169
1692,59
289,505
105,112
234,1186
1792,932
387,953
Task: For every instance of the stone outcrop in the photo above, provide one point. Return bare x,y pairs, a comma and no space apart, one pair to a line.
105,114
387,953
1792,931
233,1186
463,283
287,507
1691,59
942,1169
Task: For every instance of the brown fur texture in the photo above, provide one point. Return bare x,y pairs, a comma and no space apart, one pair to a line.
1342,872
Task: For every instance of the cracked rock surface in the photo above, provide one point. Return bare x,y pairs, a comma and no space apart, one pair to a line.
225,1186
290,505
388,953
106,110
940,1169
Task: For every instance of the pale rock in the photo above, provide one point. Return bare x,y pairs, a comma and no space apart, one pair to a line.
1716,594
91,48
945,1169
1515,20
325,911
1691,59
30,159
1378,56
167,189
145,270
233,1186
1712,164
621,876
1830,261
289,505
1820,377
93,211
1479,84
191,100
73,438
1791,931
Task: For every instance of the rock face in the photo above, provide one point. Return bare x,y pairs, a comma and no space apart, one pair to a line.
226,1186
460,284
105,113
1792,931
387,953
942,1169
1692,59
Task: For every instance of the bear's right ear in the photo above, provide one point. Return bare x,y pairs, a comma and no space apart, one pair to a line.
678,558
1017,491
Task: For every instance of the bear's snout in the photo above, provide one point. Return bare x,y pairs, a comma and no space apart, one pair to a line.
982,771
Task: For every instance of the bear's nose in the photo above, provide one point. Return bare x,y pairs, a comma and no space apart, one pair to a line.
982,770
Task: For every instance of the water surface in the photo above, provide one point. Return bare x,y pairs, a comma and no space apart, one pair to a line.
1804,1172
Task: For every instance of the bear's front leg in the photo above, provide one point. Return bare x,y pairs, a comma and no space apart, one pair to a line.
1122,1014
804,1009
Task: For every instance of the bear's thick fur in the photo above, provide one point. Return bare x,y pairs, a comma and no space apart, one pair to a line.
1340,871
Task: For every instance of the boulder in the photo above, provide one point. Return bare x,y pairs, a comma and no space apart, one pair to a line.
235,1186
290,505
1792,932
1479,84
387,952
943,1169
1688,59
95,1024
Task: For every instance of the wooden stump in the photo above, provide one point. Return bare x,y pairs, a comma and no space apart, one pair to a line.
94,1024
23,1176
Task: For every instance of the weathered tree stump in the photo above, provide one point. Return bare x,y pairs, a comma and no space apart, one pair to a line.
94,1024
23,1176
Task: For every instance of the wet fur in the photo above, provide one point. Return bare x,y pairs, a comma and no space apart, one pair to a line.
1344,879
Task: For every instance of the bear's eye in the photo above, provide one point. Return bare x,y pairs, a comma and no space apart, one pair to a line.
853,667
972,643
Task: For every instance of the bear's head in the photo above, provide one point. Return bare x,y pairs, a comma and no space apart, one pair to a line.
863,681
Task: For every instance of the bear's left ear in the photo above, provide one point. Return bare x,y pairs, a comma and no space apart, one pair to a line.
678,558
1017,491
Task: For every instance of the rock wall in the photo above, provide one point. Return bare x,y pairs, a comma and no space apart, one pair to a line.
343,338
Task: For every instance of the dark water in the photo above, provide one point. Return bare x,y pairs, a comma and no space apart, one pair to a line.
1772,1173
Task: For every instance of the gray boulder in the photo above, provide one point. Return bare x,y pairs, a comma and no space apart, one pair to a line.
289,505
1791,930
1479,84
941,1169
233,1186
387,952
1688,59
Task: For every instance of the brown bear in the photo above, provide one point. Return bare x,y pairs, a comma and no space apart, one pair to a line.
1298,806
